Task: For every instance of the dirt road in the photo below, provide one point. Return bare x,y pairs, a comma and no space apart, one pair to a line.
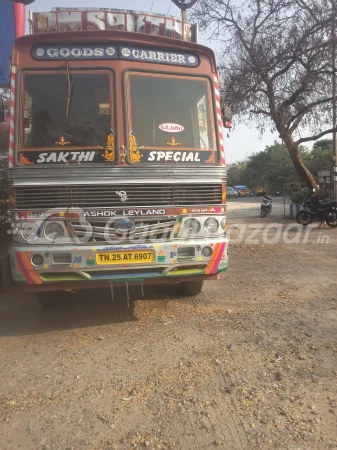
251,363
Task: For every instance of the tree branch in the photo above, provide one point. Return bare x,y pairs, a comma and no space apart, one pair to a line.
317,136
306,109
259,111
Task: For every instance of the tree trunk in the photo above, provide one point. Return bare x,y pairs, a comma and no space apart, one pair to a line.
299,165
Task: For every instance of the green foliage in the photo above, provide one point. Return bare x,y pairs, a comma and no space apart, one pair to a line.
270,169
321,155
273,169
298,196
5,96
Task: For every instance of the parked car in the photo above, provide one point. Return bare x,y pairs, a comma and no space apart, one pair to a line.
231,192
242,190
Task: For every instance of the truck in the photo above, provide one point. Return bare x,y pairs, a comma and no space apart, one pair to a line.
117,171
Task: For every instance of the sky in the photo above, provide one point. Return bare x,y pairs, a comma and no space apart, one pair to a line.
243,139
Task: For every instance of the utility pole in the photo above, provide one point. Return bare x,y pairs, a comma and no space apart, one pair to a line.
184,5
333,47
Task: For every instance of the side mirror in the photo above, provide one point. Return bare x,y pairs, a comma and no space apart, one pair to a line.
2,111
226,114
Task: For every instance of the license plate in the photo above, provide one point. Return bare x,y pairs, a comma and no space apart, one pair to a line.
127,257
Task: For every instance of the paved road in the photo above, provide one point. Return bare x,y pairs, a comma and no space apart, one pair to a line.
243,209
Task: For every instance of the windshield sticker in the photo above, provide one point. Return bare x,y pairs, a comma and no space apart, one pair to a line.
211,159
110,151
135,155
175,156
63,157
173,142
24,161
171,127
104,109
62,141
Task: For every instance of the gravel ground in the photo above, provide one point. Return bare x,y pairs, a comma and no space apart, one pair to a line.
248,364
245,209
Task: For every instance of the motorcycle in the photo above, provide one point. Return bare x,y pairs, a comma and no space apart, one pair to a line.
317,211
266,206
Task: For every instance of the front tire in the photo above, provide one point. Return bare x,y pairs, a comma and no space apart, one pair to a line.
190,288
304,217
331,219
263,212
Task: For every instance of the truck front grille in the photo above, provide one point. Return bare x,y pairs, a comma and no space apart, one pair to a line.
146,230
108,196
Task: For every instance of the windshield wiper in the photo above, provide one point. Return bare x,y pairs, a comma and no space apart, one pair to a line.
70,90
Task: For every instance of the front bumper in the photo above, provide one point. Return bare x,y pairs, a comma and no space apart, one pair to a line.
78,265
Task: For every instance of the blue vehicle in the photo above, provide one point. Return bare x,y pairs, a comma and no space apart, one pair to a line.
242,190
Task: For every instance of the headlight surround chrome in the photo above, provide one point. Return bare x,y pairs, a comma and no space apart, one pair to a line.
211,225
53,231
192,226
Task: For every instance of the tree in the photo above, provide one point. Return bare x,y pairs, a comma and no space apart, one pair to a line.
270,169
275,66
4,128
4,141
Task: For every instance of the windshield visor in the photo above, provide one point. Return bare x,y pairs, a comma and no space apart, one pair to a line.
63,113
170,120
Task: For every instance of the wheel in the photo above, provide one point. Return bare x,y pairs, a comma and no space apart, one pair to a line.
303,217
52,298
191,287
331,219
263,212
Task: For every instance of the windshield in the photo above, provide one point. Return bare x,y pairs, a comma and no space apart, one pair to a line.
66,110
170,119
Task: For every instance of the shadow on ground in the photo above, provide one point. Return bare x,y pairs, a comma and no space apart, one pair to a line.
21,314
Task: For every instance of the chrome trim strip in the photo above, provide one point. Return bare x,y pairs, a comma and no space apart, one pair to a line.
36,210
56,175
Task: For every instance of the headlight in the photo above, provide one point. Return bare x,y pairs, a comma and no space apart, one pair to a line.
192,226
211,225
54,231
30,231
223,224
